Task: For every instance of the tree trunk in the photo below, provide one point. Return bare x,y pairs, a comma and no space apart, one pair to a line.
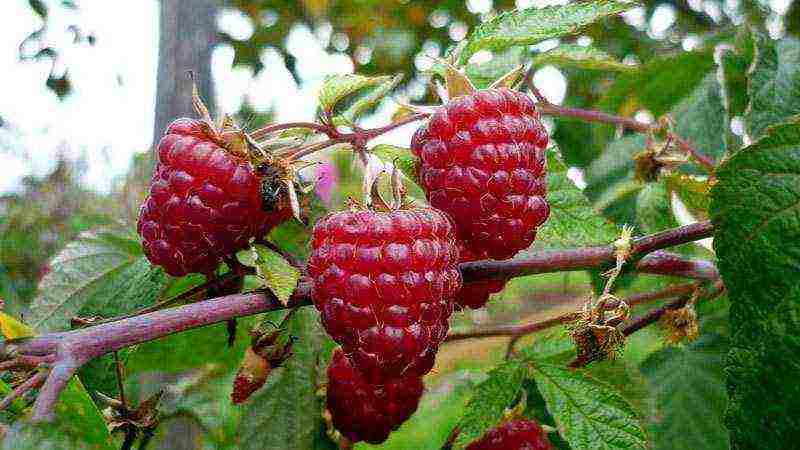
187,36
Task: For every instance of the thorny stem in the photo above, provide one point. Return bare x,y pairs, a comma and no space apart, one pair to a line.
74,348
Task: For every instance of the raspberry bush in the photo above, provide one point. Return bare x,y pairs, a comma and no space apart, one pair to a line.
297,306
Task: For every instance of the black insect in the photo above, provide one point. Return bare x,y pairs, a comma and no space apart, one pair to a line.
273,188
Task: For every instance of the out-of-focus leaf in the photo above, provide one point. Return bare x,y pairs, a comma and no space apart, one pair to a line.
533,25
754,208
336,87
773,83
589,414
100,273
489,401
688,387
573,221
653,212
610,178
484,74
580,57
693,191
78,425
286,412
701,118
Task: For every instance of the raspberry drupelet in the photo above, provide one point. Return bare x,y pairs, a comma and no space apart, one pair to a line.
513,435
366,412
204,202
384,283
482,160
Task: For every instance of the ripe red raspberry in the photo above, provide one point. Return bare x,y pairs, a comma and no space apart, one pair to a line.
384,283
475,294
366,412
204,202
483,162
514,435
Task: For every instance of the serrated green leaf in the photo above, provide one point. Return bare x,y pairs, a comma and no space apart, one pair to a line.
286,412
580,57
278,275
589,414
754,208
100,273
533,25
687,384
78,425
773,83
572,221
336,87
489,400
401,156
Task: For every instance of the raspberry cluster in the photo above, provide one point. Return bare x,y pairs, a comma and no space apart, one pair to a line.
204,203
366,412
482,160
514,435
384,283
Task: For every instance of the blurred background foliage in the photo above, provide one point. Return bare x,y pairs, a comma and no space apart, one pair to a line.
671,42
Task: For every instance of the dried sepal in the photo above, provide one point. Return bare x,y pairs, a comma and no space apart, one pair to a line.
268,350
681,324
596,332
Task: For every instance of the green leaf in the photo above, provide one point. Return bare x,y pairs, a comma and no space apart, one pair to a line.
78,425
701,118
693,191
754,208
484,74
401,156
100,273
773,83
533,25
610,180
573,221
489,400
653,212
278,275
286,412
687,384
589,414
368,100
336,87
580,57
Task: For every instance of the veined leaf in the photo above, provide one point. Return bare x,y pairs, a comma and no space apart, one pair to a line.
100,273
489,400
580,57
533,25
755,208
336,87
589,414
402,157
502,62
370,98
278,275
773,83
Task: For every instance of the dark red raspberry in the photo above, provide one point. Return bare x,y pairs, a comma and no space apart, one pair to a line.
366,412
483,162
203,205
514,435
384,283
